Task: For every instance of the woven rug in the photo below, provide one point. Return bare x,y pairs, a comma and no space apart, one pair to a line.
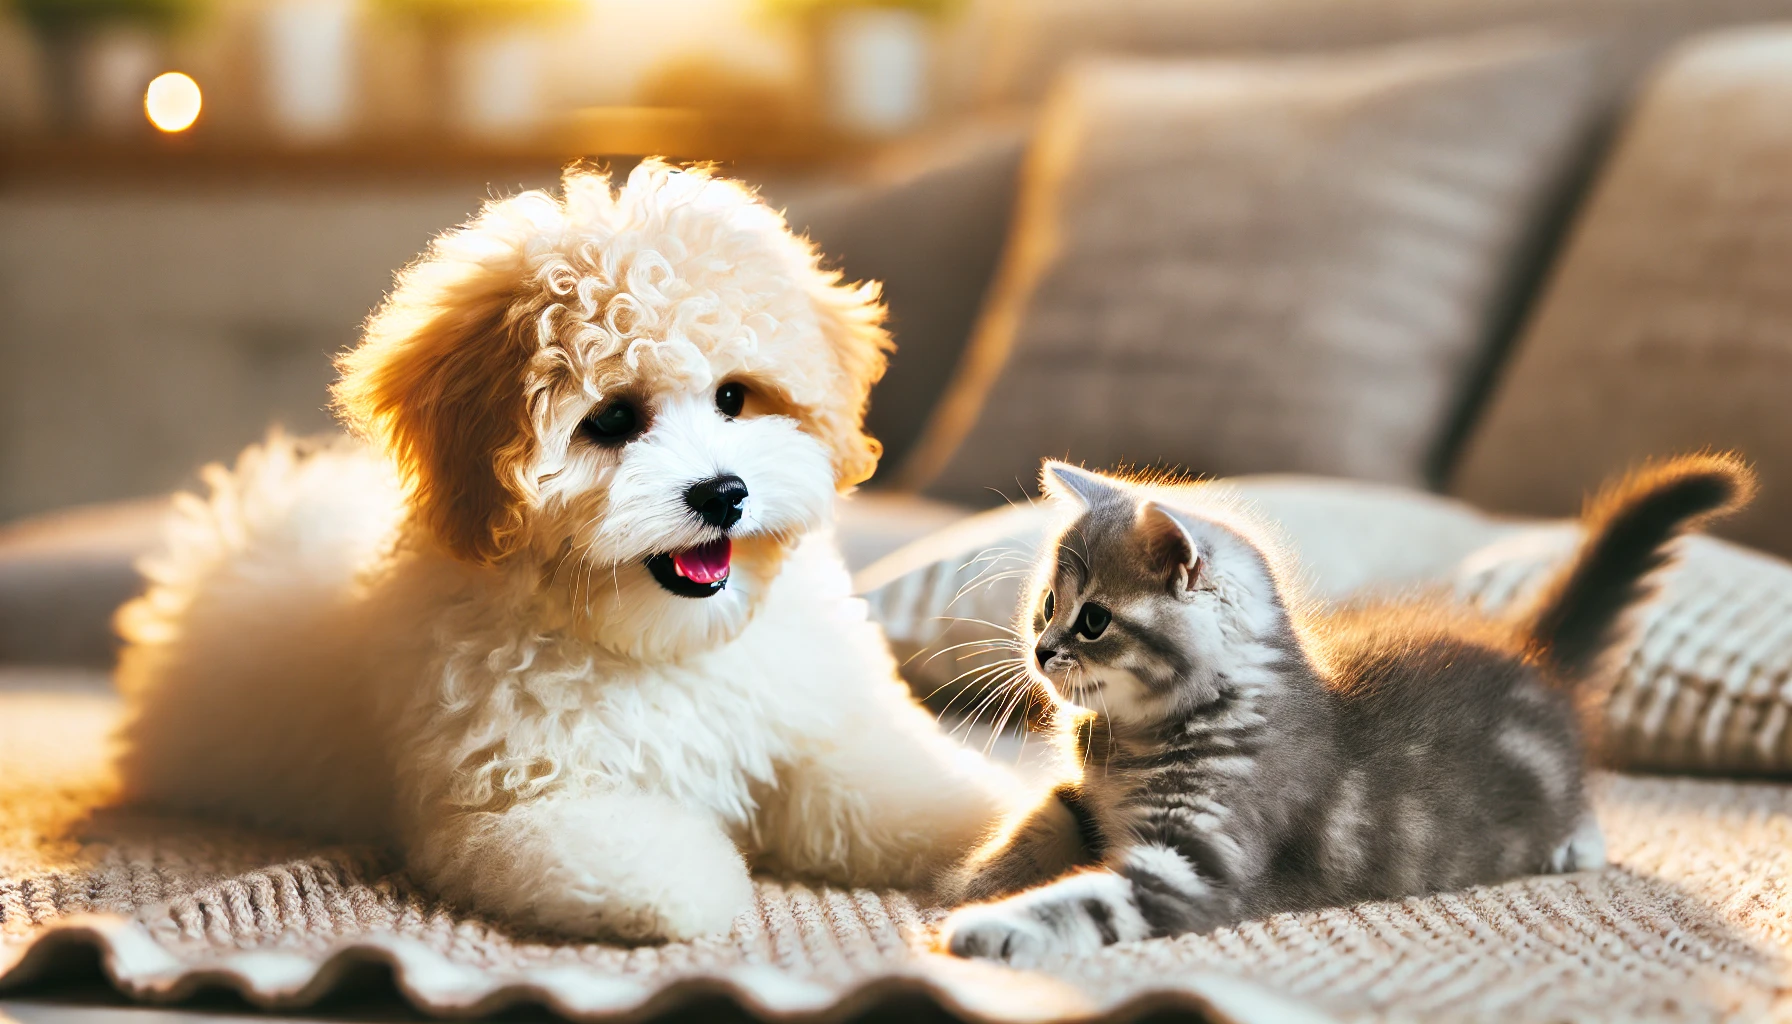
1690,925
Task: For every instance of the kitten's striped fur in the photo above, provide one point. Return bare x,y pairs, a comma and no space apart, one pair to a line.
1243,755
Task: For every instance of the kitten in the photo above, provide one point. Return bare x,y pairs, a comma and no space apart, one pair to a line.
1244,755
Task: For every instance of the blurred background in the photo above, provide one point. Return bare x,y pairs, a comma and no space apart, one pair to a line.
1495,248
200,199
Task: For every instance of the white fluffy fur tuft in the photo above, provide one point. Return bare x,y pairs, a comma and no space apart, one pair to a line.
448,637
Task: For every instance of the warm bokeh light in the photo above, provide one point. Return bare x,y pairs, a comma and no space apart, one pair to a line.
172,102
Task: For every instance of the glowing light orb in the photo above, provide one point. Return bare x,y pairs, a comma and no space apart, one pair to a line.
172,102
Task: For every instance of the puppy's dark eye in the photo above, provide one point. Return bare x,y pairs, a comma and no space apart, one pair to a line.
731,399
613,424
1092,621
1051,605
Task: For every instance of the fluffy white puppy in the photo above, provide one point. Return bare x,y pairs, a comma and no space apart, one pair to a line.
567,626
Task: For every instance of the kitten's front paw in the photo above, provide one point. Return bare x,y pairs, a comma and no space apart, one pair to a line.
1582,851
997,931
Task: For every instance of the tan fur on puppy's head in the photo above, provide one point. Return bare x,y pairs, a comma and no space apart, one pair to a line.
475,373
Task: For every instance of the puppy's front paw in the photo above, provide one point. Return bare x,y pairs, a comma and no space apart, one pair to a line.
997,931
622,867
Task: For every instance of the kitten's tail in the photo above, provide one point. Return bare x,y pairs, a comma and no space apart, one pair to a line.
1630,525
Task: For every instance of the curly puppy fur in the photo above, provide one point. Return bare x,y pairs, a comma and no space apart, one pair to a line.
445,636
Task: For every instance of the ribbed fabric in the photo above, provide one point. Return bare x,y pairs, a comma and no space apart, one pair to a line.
1705,689
1693,924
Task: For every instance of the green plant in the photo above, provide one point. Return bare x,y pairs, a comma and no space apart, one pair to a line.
468,13
805,10
63,15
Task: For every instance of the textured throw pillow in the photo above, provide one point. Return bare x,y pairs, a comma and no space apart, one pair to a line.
927,221
1026,43
1668,325
1282,265
1705,690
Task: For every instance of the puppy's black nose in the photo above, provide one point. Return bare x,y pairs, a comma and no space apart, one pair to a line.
718,500
1044,654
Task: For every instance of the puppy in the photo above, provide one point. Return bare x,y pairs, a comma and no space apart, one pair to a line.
565,625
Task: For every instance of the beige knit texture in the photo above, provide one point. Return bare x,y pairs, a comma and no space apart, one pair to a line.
1690,925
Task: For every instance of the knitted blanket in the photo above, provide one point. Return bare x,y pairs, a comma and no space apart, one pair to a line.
1690,924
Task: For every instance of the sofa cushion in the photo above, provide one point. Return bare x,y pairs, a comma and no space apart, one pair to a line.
62,576
872,524
1027,43
1282,265
1704,690
1668,325
927,221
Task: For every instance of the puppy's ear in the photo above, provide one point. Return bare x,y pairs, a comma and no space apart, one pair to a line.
852,323
440,383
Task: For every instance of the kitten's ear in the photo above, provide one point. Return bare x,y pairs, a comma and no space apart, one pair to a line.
1073,484
1173,548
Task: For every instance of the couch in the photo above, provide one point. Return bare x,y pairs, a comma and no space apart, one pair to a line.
1611,290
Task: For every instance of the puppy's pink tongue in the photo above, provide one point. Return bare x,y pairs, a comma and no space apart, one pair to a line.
705,563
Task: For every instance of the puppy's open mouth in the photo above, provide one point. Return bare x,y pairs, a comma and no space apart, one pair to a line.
701,571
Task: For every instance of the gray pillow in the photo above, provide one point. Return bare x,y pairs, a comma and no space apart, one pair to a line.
1025,43
1705,689
927,221
1668,323
1281,265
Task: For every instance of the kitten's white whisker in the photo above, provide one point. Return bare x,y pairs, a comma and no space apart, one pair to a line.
990,644
985,581
981,676
1101,695
996,693
993,690
1010,630
1017,694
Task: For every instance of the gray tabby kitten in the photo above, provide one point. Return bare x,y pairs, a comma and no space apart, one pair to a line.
1244,755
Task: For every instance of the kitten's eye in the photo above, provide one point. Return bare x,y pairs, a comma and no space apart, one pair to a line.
1050,606
1092,621
731,399
613,424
